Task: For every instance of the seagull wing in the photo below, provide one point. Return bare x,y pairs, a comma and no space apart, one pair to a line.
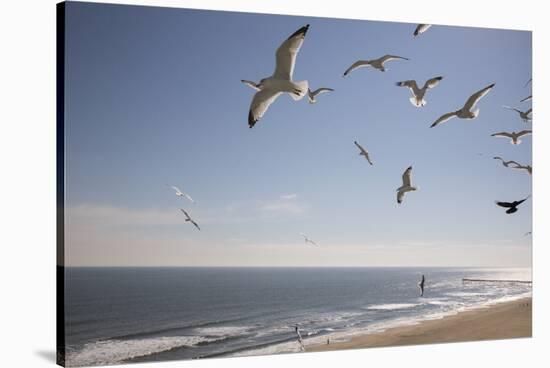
431,83
260,103
194,223
321,90
524,132
528,82
528,111
470,104
286,54
512,108
185,213
527,98
407,177
250,84
189,197
410,84
503,135
385,58
358,64
444,118
367,156
498,158
421,28
175,188
504,204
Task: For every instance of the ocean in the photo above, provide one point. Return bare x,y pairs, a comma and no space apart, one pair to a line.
116,315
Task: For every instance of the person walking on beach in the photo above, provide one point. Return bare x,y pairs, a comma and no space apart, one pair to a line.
421,286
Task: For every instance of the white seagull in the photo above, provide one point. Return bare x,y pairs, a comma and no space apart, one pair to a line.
363,152
312,94
530,97
179,193
466,111
406,187
421,28
281,81
308,240
513,136
189,219
375,63
524,115
418,93
506,163
251,84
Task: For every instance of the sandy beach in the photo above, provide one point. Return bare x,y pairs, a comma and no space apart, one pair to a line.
500,321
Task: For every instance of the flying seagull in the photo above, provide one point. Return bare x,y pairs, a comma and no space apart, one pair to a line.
527,168
406,187
527,98
281,81
524,115
189,219
506,163
308,240
375,63
311,94
421,286
363,152
179,193
514,136
421,28
466,111
300,341
251,84
418,93
512,206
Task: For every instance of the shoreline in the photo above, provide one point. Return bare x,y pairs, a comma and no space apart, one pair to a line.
504,320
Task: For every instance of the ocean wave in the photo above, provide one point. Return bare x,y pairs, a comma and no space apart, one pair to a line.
394,306
115,351
222,330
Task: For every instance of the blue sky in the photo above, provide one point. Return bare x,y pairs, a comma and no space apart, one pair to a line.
153,97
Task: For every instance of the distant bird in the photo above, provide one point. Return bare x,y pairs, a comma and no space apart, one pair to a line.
524,115
300,340
505,163
421,286
512,206
421,28
466,111
375,63
308,240
528,82
513,136
527,168
281,81
312,94
528,233
406,187
418,93
527,98
251,84
179,193
189,219
363,152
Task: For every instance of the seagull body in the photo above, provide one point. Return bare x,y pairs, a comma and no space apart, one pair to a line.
406,187
308,240
466,111
527,98
421,28
312,94
189,219
251,84
179,193
421,286
281,81
418,93
514,136
375,63
524,115
512,206
363,152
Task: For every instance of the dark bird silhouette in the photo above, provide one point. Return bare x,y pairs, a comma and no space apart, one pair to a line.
512,206
421,285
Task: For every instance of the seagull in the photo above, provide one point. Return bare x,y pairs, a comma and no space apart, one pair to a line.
418,93
421,286
466,111
406,187
300,341
512,206
506,163
527,168
421,28
524,115
251,84
281,81
514,136
308,240
527,98
311,94
179,193
528,82
189,219
375,63
363,152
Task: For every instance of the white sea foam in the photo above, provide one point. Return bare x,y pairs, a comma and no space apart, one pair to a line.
394,306
221,330
115,351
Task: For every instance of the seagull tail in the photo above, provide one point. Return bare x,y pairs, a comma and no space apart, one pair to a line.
301,89
418,103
